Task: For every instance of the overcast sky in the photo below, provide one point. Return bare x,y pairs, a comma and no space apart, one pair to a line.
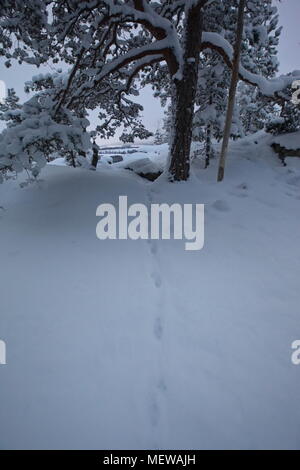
289,50
289,56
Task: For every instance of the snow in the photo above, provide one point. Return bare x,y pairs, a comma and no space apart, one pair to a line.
290,141
143,165
268,87
148,159
142,345
146,53
217,40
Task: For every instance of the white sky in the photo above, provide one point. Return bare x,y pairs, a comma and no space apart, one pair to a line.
289,56
289,50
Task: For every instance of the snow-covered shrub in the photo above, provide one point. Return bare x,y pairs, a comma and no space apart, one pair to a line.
289,120
37,131
34,132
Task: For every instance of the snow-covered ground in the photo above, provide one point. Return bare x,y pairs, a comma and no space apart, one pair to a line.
290,141
141,344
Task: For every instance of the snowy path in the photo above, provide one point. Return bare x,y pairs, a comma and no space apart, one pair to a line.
124,344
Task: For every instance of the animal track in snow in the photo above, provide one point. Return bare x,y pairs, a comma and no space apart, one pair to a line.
158,328
221,206
157,279
154,411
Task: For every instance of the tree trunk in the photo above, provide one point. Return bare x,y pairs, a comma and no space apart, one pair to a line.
72,160
184,95
208,145
233,86
82,153
95,157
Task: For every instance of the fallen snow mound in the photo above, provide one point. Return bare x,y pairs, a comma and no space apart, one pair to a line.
289,141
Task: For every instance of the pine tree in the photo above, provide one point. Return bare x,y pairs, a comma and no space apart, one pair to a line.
35,131
258,52
288,121
263,35
10,104
159,137
254,109
209,119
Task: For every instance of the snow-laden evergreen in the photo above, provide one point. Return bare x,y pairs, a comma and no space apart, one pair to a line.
258,55
110,43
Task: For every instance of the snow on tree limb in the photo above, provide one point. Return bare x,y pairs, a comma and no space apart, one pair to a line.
156,49
271,87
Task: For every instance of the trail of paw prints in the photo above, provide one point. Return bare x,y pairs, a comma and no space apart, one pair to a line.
157,281
155,402
158,328
156,277
157,399
159,305
241,190
154,411
157,408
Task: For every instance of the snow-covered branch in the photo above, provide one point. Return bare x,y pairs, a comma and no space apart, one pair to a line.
146,55
268,87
